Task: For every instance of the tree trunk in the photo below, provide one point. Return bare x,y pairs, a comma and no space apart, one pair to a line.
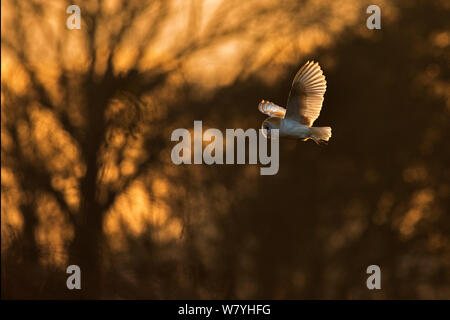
88,240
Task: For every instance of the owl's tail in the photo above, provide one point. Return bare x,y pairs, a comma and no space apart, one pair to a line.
320,134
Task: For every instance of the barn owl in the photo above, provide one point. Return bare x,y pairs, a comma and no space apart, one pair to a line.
303,107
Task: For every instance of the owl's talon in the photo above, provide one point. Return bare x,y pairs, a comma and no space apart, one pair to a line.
317,141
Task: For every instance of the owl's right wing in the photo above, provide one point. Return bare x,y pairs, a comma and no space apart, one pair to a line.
271,109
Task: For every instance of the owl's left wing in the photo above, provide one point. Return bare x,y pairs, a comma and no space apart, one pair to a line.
306,96
271,109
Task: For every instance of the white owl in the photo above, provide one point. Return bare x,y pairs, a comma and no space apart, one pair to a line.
303,107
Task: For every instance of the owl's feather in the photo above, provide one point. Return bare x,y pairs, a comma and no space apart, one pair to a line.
271,109
306,95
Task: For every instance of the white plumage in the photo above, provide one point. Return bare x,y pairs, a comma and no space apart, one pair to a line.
303,107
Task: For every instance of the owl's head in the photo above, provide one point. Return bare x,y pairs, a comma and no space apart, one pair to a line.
270,124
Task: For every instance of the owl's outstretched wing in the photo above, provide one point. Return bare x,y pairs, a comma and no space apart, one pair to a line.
306,95
271,109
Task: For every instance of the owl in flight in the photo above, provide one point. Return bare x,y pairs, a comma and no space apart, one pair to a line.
303,107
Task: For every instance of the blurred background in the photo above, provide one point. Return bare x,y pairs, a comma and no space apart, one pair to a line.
87,178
